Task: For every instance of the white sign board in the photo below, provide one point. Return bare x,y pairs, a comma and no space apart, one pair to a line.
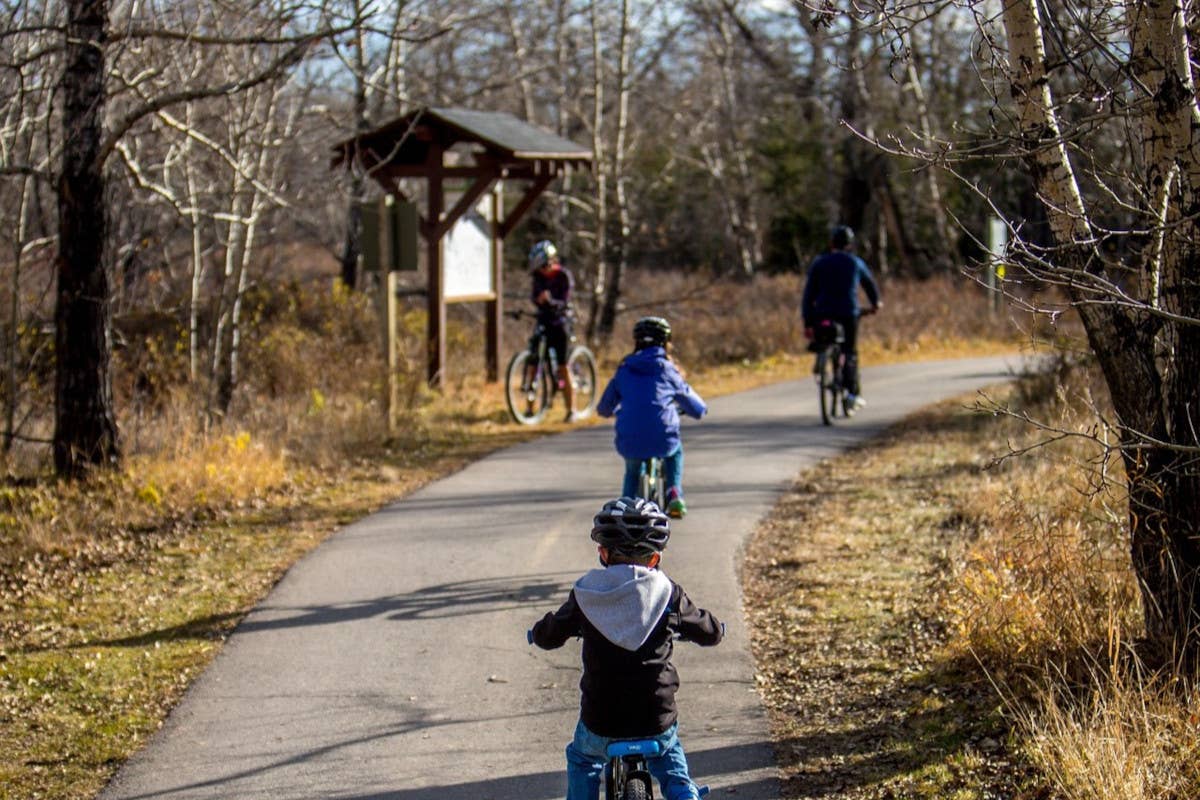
467,254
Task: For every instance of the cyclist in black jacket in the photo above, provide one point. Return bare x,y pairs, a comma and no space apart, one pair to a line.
551,293
628,614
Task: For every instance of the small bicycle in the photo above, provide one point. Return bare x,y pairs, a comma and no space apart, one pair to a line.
626,776
531,382
652,485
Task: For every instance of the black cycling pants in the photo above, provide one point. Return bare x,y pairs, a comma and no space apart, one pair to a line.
850,350
558,339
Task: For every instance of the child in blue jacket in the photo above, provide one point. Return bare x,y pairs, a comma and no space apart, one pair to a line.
646,394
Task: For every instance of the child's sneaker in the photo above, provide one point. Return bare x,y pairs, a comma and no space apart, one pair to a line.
676,508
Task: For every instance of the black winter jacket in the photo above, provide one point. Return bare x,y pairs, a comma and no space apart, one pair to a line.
628,689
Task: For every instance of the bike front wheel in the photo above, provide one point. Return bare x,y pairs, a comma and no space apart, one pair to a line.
581,370
527,389
651,486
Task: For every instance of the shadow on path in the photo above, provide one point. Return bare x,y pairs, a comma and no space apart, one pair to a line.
440,601
704,765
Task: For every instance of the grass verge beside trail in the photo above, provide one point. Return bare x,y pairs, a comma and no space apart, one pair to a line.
99,644
841,584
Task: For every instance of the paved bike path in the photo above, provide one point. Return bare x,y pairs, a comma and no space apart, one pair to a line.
391,663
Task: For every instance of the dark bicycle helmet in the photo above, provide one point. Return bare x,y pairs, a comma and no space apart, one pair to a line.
841,237
631,526
542,254
651,331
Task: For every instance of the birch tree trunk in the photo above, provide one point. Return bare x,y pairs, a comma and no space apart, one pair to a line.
1148,348
600,202
618,247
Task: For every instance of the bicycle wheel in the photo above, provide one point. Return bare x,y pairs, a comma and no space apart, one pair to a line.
636,788
527,402
650,484
581,369
644,483
827,385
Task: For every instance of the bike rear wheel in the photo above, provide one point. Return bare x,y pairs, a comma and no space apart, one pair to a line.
637,787
581,369
527,395
828,384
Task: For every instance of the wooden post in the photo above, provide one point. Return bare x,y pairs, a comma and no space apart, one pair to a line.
391,347
495,307
436,326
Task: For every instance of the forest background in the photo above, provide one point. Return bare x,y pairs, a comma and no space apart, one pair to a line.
187,339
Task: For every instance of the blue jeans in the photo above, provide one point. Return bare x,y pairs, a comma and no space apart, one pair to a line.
672,473
586,759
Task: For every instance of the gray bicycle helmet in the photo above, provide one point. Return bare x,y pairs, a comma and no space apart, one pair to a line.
542,254
841,237
631,526
651,332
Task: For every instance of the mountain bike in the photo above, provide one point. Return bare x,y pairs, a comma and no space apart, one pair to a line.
827,340
651,485
532,382
829,369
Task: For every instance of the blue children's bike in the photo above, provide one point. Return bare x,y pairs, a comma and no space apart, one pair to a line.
626,776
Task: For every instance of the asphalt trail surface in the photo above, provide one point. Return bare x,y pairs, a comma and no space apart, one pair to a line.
391,662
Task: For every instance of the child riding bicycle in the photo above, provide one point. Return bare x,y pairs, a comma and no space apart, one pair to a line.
628,614
646,394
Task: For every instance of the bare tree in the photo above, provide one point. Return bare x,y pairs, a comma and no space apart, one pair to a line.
85,428
26,136
1119,178
85,431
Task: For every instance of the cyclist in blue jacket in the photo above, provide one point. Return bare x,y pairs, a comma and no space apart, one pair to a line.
646,394
831,292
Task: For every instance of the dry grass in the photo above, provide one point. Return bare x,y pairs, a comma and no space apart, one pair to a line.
933,622
1127,735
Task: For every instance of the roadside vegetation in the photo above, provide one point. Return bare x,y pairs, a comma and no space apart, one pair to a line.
935,619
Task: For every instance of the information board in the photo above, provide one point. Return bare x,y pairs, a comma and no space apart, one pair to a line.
467,255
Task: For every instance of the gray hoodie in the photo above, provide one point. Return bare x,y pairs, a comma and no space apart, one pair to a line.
624,602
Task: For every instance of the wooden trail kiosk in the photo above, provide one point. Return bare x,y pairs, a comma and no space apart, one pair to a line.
477,149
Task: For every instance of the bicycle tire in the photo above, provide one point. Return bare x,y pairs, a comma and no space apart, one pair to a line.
636,788
527,405
581,369
644,485
651,485
826,385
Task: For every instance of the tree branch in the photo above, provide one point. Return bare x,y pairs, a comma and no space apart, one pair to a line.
289,58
